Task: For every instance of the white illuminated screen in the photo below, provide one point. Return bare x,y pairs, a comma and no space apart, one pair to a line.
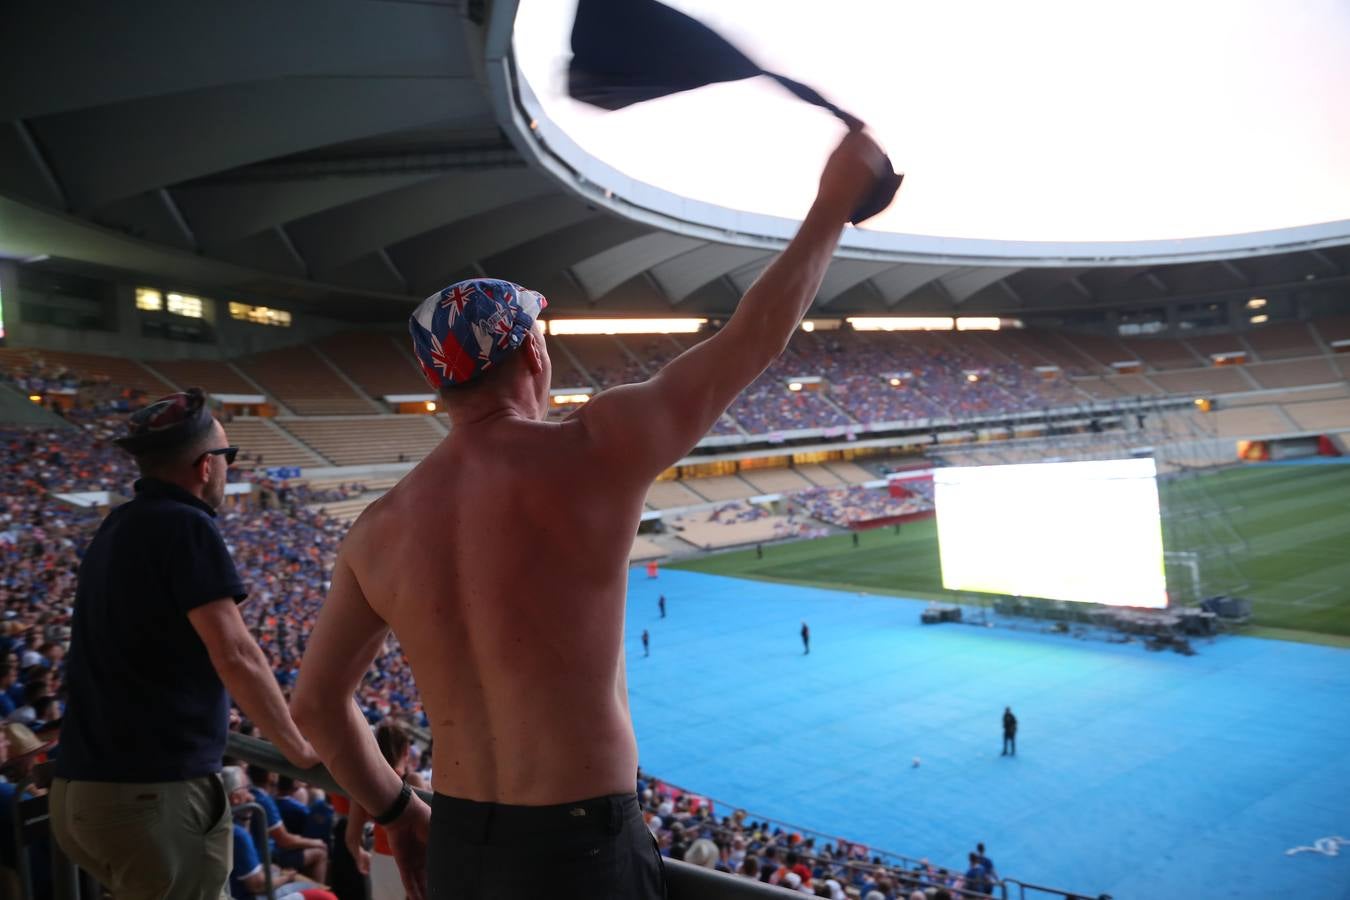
1088,532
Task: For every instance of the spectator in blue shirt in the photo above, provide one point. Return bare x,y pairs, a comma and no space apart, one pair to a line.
9,678
248,880
290,850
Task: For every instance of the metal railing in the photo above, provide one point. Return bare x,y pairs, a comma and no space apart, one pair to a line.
897,863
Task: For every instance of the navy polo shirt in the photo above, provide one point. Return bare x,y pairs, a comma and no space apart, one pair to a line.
145,702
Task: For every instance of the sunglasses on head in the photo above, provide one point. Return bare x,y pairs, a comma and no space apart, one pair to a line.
228,452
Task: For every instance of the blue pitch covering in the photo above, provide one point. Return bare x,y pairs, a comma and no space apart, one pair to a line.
1138,774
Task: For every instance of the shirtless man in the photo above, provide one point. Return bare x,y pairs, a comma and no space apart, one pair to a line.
501,564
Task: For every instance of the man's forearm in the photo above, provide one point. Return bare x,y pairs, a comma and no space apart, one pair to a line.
776,302
347,747
250,681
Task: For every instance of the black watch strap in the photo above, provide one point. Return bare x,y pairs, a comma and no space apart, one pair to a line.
396,808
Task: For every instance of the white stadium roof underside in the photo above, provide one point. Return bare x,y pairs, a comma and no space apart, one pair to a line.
349,157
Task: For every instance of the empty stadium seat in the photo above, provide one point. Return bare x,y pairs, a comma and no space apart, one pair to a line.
212,376
376,361
305,383
367,440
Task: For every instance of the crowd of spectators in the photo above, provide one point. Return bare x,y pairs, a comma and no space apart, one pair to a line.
687,827
939,376
284,552
856,504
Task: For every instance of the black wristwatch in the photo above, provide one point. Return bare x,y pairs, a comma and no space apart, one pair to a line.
396,808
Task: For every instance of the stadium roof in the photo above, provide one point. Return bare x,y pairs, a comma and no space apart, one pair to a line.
347,158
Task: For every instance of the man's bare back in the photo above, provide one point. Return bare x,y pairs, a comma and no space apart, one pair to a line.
501,564
501,560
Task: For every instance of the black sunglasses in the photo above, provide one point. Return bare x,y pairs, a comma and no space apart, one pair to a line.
228,452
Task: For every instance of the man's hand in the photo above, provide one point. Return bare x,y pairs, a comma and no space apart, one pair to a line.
408,840
851,171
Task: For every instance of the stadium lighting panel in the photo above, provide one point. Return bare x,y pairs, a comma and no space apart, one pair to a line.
1043,129
1085,532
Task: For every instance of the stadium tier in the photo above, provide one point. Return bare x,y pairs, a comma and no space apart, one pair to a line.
378,362
850,377
262,443
210,375
384,439
305,383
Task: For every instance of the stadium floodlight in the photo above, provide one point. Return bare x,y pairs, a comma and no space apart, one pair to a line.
979,323
901,323
1256,303
625,326
1260,319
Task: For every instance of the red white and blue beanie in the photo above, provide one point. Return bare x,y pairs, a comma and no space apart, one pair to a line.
461,332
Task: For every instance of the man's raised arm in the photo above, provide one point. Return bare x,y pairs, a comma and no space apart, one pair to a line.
649,426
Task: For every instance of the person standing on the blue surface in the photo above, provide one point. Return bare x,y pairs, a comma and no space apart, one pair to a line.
646,643
985,861
806,639
1009,732
661,605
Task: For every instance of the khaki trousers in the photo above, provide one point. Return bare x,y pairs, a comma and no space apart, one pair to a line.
164,841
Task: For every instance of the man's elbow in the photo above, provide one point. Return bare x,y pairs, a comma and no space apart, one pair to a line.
234,660
309,709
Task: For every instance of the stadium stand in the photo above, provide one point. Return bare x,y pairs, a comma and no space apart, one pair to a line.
1332,328
1051,349
376,361
854,505
212,376
1162,353
602,357
1293,373
362,441
818,475
1320,415
1253,421
672,495
89,367
1103,351
850,473
1208,346
645,548
1282,340
1099,388
1135,385
720,487
304,383
733,524
775,481
1217,380
262,443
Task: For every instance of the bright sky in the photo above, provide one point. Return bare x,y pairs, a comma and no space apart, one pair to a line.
1041,120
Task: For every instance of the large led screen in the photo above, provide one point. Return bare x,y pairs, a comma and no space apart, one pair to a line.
1087,532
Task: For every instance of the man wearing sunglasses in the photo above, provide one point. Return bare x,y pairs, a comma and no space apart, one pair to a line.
157,640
